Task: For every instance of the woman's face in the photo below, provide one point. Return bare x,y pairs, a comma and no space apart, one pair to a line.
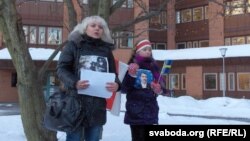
94,30
145,52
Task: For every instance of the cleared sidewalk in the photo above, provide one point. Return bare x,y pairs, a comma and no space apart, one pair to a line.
9,109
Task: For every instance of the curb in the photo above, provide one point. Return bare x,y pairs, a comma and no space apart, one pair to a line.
242,119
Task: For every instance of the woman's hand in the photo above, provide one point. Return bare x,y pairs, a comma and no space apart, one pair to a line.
82,84
112,86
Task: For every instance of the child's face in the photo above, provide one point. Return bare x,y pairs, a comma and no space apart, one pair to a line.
94,30
145,52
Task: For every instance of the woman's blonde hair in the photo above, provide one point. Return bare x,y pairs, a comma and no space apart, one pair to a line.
81,27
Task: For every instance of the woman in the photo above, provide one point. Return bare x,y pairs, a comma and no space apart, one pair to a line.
88,41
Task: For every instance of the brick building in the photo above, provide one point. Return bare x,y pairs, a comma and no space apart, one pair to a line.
180,25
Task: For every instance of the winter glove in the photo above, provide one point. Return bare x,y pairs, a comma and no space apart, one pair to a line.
156,87
132,69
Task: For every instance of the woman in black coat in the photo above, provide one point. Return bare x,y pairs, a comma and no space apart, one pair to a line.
88,41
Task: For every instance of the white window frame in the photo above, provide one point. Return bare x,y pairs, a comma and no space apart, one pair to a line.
25,30
157,44
184,20
238,81
204,81
189,44
227,41
195,44
181,43
49,35
174,78
183,81
32,35
202,13
202,41
178,17
41,35
231,81
206,12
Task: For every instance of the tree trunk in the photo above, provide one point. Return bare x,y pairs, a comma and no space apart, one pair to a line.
31,99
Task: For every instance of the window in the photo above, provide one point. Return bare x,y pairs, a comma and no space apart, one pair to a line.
221,82
210,81
85,1
32,34
243,81
126,4
160,46
248,6
189,44
227,9
153,45
41,35
237,7
173,81
238,40
181,45
231,82
130,4
195,44
204,43
164,17
227,41
25,30
178,17
248,39
155,19
54,36
198,14
186,16
183,81
124,39
206,12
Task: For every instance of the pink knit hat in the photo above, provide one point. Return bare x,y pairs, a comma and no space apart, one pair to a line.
142,44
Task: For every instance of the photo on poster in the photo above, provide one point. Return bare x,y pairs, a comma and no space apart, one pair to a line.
143,78
94,63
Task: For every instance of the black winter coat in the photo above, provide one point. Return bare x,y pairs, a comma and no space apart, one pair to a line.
68,68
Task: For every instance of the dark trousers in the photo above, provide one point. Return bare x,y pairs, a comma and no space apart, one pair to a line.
137,132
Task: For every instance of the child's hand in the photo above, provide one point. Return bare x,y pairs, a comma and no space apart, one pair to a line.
132,69
156,88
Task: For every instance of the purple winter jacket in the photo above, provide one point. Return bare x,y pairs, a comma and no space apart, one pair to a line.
141,105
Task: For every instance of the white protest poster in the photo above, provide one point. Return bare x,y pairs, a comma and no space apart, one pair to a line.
116,105
97,83
123,67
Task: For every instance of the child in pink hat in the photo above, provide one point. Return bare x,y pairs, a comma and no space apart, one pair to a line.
141,105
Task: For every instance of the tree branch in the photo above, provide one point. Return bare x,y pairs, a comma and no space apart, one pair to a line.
140,18
49,61
116,6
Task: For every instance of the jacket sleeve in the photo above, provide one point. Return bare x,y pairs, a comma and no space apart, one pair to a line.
127,83
66,71
112,68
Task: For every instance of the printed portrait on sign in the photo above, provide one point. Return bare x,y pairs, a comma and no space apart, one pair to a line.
143,78
94,63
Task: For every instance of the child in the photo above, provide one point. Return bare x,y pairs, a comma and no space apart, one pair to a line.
141,105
